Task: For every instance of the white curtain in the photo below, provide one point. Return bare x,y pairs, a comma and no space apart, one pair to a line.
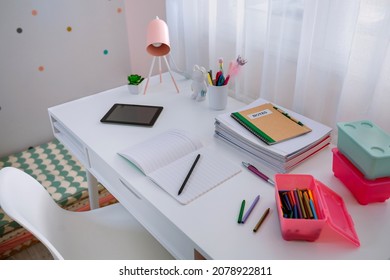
326,59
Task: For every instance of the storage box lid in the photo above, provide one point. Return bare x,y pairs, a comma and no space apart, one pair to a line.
368,136
337,214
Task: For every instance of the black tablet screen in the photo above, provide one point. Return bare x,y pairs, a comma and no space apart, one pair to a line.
132,114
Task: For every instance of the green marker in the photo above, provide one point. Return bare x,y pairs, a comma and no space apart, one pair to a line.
241,212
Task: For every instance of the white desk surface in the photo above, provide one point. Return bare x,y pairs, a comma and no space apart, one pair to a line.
210,221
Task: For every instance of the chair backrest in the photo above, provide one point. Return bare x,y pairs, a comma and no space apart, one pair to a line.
110,232
26,201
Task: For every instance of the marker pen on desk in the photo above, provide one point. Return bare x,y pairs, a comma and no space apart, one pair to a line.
250,209
261,220
241,212
258,173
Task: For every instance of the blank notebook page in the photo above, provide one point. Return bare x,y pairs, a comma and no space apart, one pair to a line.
161,150
210,171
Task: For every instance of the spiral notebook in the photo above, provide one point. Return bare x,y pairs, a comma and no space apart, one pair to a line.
167,158
270,124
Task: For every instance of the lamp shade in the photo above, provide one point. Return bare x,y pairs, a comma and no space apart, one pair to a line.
158,38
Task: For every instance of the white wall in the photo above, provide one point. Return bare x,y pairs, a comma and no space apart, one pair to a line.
56,51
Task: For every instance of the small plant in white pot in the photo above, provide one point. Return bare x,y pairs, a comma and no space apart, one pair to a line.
135,83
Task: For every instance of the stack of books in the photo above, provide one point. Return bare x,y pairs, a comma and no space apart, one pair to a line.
278,138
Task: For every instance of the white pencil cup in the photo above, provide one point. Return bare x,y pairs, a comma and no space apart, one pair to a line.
218,96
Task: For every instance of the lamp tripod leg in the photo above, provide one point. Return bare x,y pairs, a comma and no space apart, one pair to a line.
169,69
159,67
150,73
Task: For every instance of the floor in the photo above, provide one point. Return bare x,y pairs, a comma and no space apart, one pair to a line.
35,252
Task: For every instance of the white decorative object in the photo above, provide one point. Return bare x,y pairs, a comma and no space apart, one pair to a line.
136,89
199,86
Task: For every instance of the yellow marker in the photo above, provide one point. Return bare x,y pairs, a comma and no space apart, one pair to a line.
209,79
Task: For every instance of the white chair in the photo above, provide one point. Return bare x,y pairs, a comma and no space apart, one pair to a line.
106,233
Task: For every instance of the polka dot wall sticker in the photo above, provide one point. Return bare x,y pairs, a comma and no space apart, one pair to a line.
34,12
19,30
119,10
41,68
69,29
105,52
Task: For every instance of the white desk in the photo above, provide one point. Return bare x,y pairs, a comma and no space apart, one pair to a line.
209,223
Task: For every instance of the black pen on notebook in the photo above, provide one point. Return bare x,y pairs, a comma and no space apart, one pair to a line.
254,170
288,116
189,174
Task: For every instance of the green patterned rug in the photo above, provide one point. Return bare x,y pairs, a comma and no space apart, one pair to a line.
64,178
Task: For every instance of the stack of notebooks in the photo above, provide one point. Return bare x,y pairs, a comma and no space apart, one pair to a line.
276,137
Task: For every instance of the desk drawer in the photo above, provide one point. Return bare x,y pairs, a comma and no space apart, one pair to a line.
175,241
70,141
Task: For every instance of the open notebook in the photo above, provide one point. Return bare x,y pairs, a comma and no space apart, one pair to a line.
167,158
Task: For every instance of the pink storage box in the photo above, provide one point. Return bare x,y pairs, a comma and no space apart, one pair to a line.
365,191
331,210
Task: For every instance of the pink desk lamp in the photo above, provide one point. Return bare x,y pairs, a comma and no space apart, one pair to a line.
158,46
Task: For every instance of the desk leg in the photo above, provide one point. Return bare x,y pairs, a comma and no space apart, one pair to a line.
93,191
198,256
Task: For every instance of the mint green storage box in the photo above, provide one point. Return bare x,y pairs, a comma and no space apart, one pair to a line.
367,146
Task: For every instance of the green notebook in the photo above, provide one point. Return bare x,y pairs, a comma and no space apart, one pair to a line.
270,124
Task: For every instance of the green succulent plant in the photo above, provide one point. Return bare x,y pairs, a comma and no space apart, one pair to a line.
135,79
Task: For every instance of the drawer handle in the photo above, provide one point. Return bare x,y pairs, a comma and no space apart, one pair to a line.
130,189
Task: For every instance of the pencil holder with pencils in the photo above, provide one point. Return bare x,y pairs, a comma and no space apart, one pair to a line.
218,86
305,206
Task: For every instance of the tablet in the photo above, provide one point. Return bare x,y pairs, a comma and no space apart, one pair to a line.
132,114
